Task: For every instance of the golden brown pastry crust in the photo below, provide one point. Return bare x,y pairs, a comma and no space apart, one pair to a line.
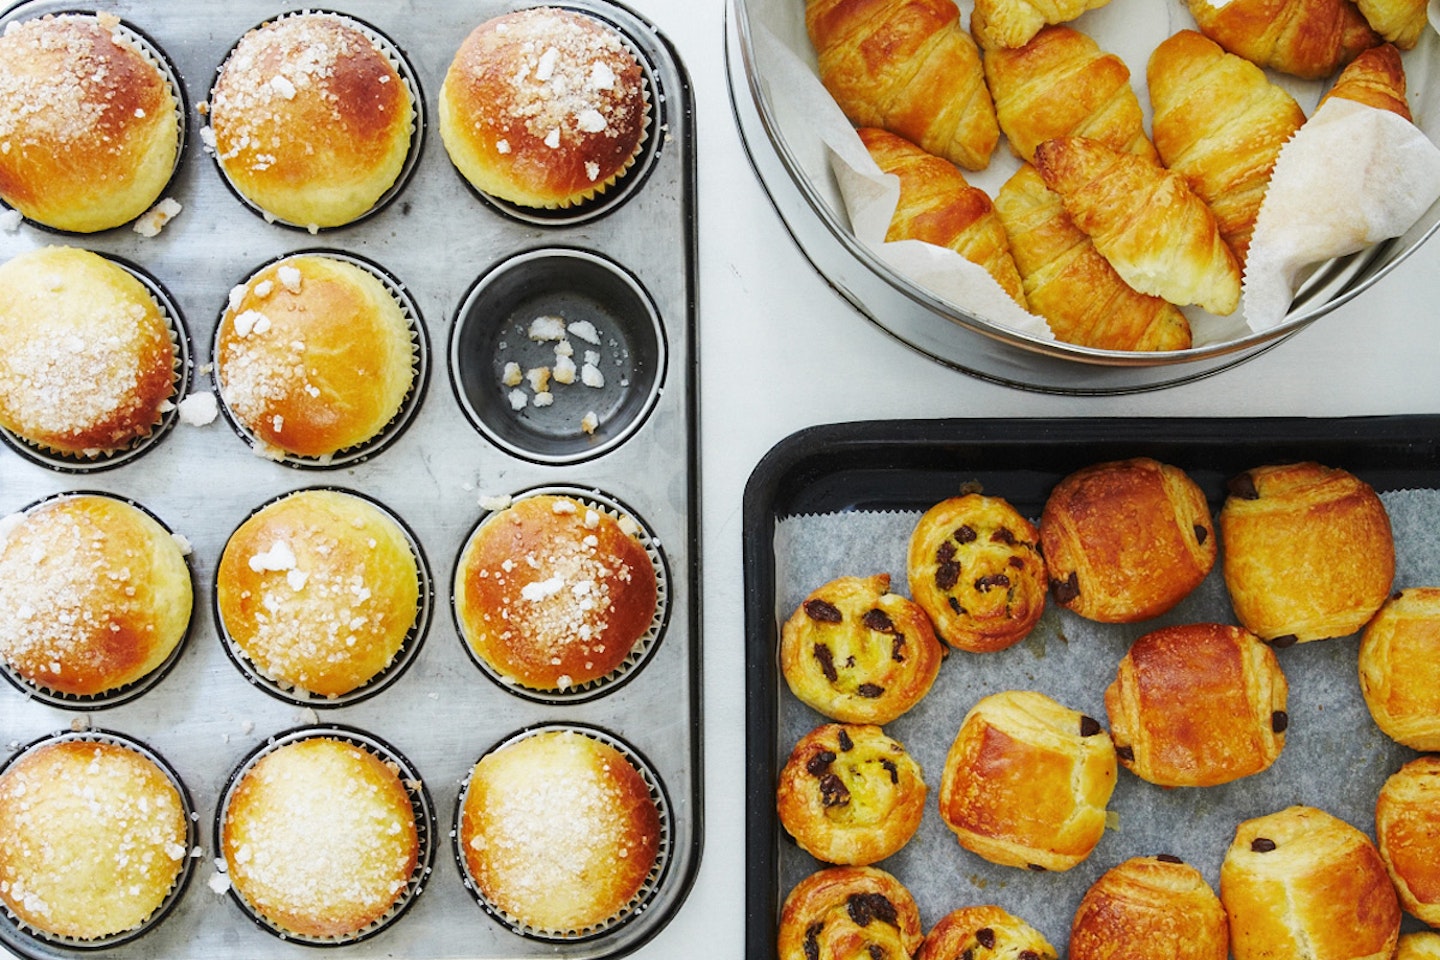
1026,782
1014,23
844,912
1400,22
988,932
88,362
1149,908
559,831
1418,946
1220,123
938,206
319,590
1198,705
1308,552
1157,234
90,124
571,617
1375,78
312,120
319,838
1407,832
314,356
974,566
92,838
512,137
1305,38
907,67
858,653
1062,84
1126,540
1399,665
1071,285
849,794
94,595
1301,882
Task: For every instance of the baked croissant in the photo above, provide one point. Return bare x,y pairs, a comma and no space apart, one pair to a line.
938,206
1013,23
907,67
1305,38
1399,21
1157,234
1071,285
1062,84
1220,123
1376,78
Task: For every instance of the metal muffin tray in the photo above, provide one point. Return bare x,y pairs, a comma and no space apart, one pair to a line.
829,500
473,270
793,168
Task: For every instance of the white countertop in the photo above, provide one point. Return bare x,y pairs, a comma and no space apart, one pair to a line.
779,351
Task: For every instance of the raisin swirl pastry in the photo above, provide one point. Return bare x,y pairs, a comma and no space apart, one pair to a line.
857,652
1149,908
845,912
974,568
984,933
1126,540
849,794
1198,705
1309,552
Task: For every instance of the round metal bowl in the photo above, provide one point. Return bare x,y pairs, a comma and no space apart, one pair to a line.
792,168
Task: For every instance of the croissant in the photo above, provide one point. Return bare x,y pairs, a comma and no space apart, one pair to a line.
1071,285
938,206
1157,234
1305,38
1377,78
1013,23
1399,21
1220,123
907,67
1062,84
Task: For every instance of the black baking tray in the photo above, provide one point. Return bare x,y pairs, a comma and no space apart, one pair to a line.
913,464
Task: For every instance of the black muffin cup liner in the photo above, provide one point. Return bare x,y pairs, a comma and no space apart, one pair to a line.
654,880
18,935
644,646
391,672
420,804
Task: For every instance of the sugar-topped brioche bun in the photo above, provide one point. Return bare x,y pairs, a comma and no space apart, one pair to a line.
559,831
543,107
553,593
89,124
314,355
311,119
1399,666
319,837
94,594
87,359
319,590
93,836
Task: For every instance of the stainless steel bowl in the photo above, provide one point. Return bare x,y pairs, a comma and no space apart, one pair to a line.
792,172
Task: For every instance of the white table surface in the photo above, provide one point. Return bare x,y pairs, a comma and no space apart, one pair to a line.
780,351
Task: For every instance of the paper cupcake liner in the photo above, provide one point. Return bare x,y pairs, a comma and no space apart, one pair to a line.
647,889
392,53
33,690
420,805
105,459
409,647
643,647
182,879
420,367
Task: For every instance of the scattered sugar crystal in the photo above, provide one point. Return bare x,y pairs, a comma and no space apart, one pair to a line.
564,371
590,121
539,378
513,374
564,349
544,398
10,220
281,84
278,557
547,328
591,376
198,409
183,542
519,399
289,278
493,502
585,330
589,422
552,139
152,221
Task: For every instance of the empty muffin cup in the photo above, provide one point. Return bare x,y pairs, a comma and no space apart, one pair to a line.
557,355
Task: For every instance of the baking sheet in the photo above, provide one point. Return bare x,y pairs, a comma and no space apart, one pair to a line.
436,238
842,499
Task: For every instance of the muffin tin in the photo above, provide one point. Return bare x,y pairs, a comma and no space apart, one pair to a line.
842,499
471,270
